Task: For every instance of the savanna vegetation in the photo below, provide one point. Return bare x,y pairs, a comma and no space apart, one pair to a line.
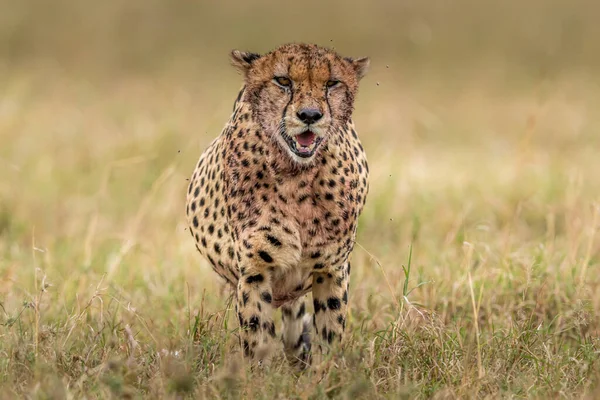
475,273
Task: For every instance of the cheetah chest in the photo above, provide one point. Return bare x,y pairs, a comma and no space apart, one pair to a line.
324,213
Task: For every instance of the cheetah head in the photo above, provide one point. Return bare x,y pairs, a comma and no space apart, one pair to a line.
300,94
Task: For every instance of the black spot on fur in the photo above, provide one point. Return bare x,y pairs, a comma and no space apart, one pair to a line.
330,337
303,197
333,303
271,329
266,297
254,323
265,256
319,306
273,240
255,278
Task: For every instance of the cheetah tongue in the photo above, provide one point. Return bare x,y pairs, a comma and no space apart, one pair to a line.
305,139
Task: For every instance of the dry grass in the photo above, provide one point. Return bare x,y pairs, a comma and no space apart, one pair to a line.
491,180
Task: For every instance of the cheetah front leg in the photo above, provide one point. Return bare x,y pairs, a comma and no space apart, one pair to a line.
296,333
261,255
255,313
330,299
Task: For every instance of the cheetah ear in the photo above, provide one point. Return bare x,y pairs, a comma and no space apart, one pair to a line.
242,60
361,65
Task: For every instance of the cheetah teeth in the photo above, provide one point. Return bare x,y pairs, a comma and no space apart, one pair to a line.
305,142
305,149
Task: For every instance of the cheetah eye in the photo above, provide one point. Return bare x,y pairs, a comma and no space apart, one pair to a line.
331,83
283,81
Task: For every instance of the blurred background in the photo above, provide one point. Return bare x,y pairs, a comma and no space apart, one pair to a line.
534,37
480,120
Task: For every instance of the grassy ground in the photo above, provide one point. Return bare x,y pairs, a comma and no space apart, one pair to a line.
489,176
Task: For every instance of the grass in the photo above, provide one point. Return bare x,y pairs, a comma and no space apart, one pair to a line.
475,274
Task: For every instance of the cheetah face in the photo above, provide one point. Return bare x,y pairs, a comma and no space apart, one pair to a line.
300,94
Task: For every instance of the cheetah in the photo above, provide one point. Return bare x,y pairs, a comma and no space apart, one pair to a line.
273,202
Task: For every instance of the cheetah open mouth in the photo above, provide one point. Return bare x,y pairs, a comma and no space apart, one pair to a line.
304,144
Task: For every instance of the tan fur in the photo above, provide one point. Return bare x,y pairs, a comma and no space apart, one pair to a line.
272,223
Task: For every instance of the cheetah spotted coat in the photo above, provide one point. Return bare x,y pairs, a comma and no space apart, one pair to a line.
276,229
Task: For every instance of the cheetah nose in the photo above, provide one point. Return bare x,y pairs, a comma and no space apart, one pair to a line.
309,115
